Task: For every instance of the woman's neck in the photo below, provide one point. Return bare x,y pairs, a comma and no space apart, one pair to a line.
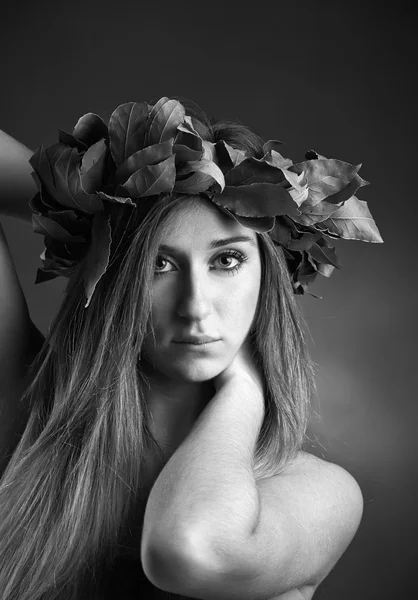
174,407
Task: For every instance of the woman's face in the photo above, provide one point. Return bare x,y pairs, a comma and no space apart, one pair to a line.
206,285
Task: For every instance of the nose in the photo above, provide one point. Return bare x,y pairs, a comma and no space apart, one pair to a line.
195,301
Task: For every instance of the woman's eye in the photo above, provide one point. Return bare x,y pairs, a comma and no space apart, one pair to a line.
159,259
230,262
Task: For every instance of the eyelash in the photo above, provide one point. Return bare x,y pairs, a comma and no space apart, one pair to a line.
231,271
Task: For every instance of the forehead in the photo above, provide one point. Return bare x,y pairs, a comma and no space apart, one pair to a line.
197,222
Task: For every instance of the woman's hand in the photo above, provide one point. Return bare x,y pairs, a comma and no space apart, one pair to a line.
243,370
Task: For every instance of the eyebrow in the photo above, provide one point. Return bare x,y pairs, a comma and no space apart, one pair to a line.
214,243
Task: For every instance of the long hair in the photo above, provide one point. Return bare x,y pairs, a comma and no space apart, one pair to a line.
68,494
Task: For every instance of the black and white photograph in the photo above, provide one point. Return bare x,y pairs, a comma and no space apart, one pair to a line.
208,320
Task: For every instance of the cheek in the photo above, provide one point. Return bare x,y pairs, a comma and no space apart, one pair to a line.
237,306
158,326
162,312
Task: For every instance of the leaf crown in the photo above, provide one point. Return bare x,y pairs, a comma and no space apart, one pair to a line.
147,150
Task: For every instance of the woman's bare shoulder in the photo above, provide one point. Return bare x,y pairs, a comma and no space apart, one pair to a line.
310,513
324,478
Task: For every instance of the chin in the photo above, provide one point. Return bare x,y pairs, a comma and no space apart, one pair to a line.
193,374
194,371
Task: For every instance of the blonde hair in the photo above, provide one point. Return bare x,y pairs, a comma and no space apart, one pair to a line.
68,495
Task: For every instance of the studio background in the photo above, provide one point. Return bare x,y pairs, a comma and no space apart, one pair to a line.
334,77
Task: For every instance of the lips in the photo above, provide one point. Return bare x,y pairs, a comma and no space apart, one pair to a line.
197,340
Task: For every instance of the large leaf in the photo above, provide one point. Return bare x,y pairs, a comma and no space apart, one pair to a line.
324,178
148,156
347,192
65,251
89,129
57,255
52,268
187,146
35,176
257,200
293,179
126,130
53,264
260,224
69,191
97,258
70,140
163,121
325,270
353,221
43,200
251,170
44,275
186,125
298,192
72,222
311,215
204,166
43,163
227,156
274,158
235,154
305,242
294,227
281,234
305,274
36,204
150,180
209,152
59,258
185,154
92,166
46,226
324,253
198,182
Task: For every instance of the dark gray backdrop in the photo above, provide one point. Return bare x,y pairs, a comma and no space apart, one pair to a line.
333,77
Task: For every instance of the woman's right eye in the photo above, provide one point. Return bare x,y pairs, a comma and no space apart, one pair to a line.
160,262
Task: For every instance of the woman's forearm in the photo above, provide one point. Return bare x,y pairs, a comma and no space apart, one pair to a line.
17,186
207,488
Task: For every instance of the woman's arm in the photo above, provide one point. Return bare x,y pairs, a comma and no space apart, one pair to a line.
20,340
207,490
211,530
17,186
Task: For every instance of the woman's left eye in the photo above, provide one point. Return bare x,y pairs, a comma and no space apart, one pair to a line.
229,261
235,255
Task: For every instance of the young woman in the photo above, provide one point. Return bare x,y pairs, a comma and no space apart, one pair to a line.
153,442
